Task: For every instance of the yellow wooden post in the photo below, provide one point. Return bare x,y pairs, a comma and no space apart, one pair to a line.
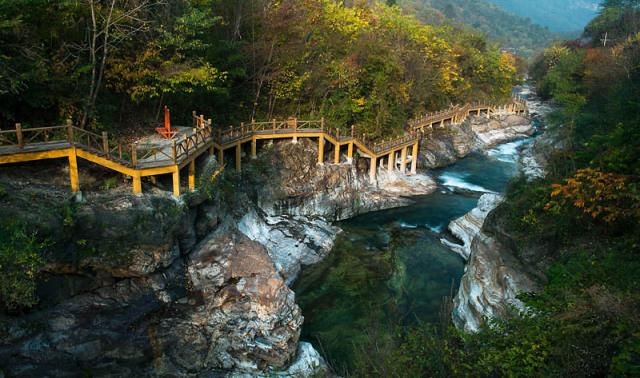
134,155
212,149
238,157
350,153
221,156
73,171
321,150
105,142
414,159
403,160
192,175
176,182
392,161
336,153
373,168
137,184
70,132
254,148
19,135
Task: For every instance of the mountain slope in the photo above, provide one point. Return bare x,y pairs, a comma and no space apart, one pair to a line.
511,31
563,16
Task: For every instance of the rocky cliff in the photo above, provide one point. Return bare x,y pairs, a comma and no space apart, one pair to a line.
136,285
146,285
494,275
444,146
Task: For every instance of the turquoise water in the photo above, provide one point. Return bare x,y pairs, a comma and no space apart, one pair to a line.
389,268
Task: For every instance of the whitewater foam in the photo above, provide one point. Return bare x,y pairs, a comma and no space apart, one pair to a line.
437,229
507,152
456,181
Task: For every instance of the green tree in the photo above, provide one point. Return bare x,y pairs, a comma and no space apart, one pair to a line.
21,258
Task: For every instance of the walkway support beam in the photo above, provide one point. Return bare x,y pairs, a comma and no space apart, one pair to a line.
321,150
336,153
254,148
176,182
403,160
137,184
221,156
73,171
192,175
238,157
392,161
373,168
414,159
350,153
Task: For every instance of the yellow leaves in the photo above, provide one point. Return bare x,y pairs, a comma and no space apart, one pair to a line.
289,84
349,21
358,104
507,64
597,194
552,55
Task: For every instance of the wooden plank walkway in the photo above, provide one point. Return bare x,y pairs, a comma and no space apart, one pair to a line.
157,157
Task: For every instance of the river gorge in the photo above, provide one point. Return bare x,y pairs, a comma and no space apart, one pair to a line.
246,276
390,268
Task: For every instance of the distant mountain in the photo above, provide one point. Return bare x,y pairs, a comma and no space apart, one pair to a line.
511,31
563,16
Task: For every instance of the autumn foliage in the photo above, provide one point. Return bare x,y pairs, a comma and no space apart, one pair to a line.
608,197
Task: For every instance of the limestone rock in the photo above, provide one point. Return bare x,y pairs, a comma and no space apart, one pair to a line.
491,283
292,241
493,276
468,226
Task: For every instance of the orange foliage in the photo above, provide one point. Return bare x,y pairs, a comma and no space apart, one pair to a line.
606,196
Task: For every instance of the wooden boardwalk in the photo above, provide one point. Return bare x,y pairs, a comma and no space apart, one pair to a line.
153,158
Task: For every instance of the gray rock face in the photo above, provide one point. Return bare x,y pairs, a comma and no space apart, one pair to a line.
500,129
447,145
493,279
128,292
468,226
223,307
245,317
493,276
292,241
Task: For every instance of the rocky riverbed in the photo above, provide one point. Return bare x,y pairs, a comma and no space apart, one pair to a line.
137,285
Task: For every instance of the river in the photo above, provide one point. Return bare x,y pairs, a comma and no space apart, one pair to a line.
389,268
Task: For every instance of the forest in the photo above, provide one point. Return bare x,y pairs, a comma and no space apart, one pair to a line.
112,65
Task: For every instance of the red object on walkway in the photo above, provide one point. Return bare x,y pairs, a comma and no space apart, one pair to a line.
166,131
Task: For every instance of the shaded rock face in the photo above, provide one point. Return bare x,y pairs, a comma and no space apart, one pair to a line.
130,290
332,191
224,306
445,146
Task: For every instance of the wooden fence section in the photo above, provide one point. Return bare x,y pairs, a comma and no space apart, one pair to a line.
169,157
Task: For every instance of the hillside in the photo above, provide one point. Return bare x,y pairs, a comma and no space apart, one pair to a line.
509,30
562,16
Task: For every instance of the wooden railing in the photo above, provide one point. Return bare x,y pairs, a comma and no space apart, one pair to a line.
137,154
